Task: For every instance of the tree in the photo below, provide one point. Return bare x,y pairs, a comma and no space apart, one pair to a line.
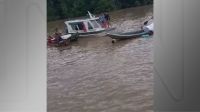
59,9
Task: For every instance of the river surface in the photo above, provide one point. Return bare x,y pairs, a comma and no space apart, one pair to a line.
94,75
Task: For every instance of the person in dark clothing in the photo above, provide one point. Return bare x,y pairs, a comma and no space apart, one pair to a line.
107,17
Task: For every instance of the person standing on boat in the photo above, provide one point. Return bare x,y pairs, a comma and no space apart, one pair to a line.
102,20
107,18
57,36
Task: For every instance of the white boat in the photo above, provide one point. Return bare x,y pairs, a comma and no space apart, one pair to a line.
85,27
149,26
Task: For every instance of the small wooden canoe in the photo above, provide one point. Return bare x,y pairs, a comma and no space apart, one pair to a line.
127,35
61,40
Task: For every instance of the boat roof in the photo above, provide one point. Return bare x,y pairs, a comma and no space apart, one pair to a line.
80,20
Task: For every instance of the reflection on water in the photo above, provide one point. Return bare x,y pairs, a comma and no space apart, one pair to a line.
94,75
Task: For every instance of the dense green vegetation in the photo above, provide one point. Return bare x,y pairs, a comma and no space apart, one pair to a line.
60,9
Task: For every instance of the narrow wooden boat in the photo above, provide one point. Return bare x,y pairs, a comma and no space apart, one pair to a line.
147,29
127,35
61,40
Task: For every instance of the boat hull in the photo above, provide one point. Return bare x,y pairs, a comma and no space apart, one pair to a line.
88,33
85,34
127,35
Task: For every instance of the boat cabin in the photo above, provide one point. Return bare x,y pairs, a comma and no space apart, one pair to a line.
84,26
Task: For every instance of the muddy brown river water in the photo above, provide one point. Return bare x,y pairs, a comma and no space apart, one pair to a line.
94,75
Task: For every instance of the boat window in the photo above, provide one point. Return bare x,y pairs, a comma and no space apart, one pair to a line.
66,29
89,26
95,24
77,26
100,22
